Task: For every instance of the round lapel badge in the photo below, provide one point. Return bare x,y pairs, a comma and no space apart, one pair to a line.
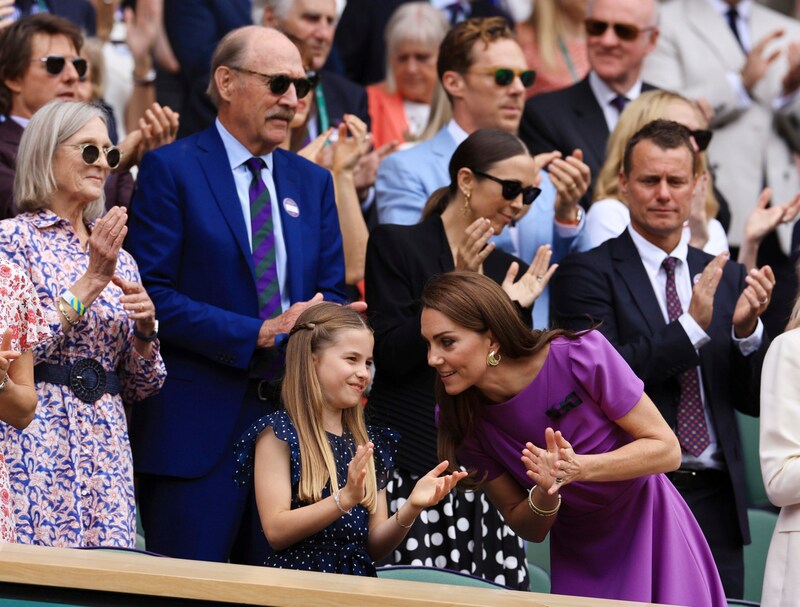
290,206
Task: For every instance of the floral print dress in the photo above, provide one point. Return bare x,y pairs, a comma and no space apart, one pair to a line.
71,470
20,311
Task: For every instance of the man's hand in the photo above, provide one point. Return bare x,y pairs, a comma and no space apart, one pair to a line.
753,301
756,64
701,307
283,323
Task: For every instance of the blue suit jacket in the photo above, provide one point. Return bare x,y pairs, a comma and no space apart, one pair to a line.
189,237
406,179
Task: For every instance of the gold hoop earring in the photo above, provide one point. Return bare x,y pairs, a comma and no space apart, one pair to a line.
493,359
466,208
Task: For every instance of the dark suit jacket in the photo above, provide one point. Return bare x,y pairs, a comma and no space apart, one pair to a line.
79,12
10,135
189,237
342,96
609,285
568,119
359,35
400,260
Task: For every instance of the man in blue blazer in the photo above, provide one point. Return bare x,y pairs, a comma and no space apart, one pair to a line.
190,233
469,57
687,323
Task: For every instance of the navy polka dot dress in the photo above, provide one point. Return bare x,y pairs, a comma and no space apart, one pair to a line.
342,546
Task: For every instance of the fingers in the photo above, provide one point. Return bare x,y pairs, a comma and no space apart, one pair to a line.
440,467
5,344
791,209
577,153
387,149
511,275
763,42
475,247
541,261
764,198
358,306
542,160
550,440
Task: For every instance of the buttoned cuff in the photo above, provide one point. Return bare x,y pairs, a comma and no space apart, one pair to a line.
694,332
751,343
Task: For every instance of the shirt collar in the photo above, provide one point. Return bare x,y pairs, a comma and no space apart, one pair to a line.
604,93
44,218
652,257
456,132
23,122
236,152
743,7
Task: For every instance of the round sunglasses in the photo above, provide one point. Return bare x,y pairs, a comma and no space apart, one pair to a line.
279,83
513,188
91,154
504,76
624,31
54,64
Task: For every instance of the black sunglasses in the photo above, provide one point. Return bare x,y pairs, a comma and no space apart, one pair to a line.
624,31
280,83
702,137
503,76
91,154
513,188
54,64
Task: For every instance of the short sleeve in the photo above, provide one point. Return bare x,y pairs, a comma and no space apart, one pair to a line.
385,441
20,308
245,448
604,375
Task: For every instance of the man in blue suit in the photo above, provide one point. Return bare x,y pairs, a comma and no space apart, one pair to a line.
473,58
190,231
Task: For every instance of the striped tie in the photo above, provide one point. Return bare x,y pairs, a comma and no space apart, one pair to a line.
266,268
692,430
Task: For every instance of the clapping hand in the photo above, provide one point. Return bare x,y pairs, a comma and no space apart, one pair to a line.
431,488
7,355
532,283
137,304
105,242
475,246
553,467
353,491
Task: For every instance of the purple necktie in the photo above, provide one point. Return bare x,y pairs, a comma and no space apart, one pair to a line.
692,430
619,102
266,268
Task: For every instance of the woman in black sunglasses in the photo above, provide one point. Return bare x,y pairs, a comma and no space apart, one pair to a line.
492,178
73,463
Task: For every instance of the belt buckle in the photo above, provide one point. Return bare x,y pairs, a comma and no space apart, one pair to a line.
262,383
87,380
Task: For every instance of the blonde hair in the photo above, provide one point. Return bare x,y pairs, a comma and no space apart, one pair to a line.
51,125
316,329
548,23
649,106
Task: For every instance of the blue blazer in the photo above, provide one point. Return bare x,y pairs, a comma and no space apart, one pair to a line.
406,179
189,238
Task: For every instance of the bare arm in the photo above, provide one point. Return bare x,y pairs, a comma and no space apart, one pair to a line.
511,501
18,399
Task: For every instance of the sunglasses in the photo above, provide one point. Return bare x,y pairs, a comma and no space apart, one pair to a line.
91,154
279,83
513,188
54,64
702,137
624,31
503,76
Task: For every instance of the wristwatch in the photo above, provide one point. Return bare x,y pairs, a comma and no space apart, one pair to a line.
147,338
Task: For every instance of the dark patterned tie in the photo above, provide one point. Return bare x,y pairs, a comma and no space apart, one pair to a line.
733,23
619,102
692,430
266,268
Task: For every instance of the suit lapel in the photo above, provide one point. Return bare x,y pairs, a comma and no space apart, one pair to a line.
443,144
287,188
590,122
628,266
214,163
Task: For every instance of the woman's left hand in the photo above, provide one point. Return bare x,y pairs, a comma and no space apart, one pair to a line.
571,177
431,488
7,355
553,467
529,287
137,304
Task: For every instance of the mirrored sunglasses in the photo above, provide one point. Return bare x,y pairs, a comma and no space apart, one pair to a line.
504,76
54,64
624,31
513,188
91,154
279,83
702,137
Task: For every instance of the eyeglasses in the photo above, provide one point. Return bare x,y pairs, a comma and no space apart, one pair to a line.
513,188
91,154
503,76
702,137
279,83
624,31
54,64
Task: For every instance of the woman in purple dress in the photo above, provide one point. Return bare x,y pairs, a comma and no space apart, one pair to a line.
619,528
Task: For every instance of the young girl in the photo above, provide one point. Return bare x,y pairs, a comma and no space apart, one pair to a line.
320,442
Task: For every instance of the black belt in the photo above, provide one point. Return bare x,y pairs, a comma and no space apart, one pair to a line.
87,378
685,479
267,391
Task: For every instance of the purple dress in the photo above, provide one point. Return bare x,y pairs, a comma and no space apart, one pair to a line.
632,540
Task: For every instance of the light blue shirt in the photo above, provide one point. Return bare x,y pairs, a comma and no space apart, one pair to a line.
238,155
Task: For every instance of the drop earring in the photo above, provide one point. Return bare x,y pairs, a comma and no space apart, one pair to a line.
493,359
466,208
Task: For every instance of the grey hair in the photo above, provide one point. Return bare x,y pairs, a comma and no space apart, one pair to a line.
51,125
279,7
417,22
654,5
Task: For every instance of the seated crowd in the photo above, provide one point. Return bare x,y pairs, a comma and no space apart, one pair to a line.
336,298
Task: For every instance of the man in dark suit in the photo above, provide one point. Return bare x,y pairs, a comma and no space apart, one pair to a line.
620,34
222,300
698,348
79,12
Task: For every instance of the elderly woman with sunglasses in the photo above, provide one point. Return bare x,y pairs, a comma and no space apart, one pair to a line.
492,179
71,469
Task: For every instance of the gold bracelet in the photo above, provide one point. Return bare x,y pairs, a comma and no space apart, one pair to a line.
397,520
60,306
538,511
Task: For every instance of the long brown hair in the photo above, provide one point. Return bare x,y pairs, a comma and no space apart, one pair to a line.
478,304
317,328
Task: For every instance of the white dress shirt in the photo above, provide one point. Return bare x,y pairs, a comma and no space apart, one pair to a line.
605,95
